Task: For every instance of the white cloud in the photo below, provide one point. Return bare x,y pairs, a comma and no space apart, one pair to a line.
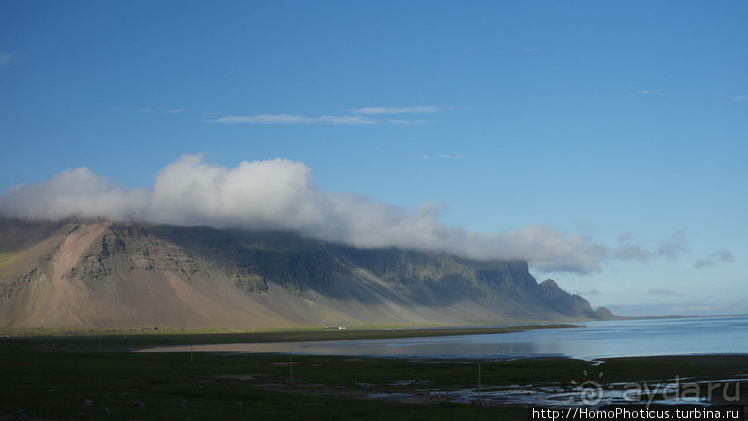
265,119
280,194
699,308
669,248
148,110
356,118
673,246
293,119
394,110
719,256
723,256
345,120
74,192
624,237
632,252
702,263
710,309
664,292
740,98
5,59
441,156
644,92
591,291
399,121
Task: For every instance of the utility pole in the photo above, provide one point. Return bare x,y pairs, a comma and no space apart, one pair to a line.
479,383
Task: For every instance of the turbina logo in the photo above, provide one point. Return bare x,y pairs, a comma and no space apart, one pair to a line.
590,391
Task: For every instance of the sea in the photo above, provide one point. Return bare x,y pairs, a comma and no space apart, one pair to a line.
591,341
587,341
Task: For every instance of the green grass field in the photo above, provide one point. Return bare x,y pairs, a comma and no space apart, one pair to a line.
51,377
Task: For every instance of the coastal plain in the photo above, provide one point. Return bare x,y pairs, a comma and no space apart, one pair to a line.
87,375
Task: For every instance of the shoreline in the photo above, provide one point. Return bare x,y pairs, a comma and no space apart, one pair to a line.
271,349
52,377
282,334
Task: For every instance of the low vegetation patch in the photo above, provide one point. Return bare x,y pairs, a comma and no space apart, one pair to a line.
88,377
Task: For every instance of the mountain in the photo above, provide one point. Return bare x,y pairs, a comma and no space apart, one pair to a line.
112,274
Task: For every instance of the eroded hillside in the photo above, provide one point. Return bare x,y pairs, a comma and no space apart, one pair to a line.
111,274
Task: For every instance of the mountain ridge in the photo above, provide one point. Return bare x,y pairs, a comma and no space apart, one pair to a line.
96,273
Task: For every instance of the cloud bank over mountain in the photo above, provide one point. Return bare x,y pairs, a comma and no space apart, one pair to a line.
280,194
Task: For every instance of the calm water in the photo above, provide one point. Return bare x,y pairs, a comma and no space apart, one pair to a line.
623,338
596,340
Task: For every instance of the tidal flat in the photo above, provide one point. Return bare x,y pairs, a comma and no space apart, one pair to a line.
97,377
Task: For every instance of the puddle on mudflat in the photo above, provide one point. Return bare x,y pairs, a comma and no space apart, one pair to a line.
675,392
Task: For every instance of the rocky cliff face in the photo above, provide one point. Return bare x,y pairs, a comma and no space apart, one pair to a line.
98,273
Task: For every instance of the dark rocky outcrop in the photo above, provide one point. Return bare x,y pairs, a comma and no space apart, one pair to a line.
605,314
565,303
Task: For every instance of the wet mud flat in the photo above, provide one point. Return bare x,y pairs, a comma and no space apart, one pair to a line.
79,378
547,382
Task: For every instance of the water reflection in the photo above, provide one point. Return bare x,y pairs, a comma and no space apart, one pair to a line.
595,340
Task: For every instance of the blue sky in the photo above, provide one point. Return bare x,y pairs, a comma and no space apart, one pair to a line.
617,130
